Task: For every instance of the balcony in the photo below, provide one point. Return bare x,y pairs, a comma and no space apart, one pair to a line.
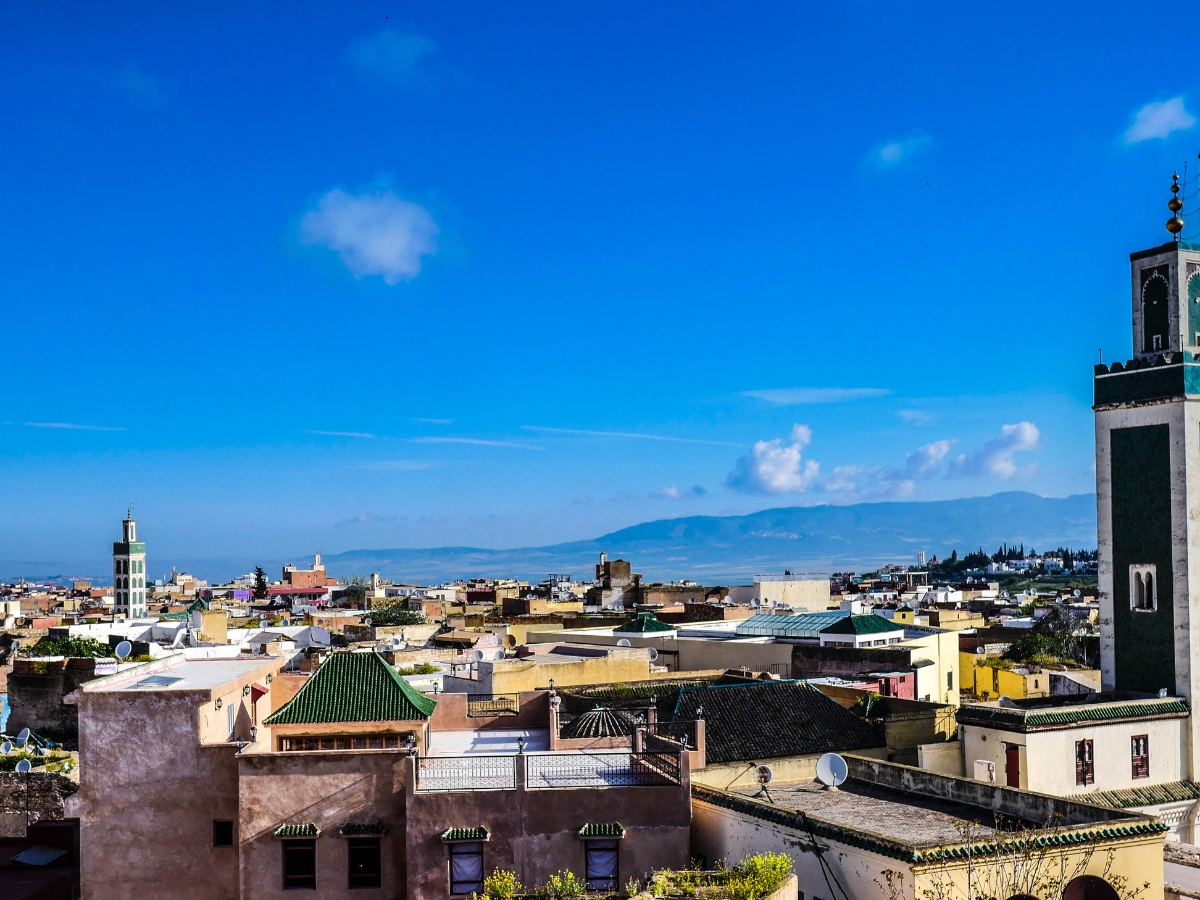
548,771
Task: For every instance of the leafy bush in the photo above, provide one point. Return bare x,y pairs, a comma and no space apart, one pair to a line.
759,875
419,669
71,646
502,885
395,615
565,886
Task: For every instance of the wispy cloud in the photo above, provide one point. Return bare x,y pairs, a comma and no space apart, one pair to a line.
73,426
895,152
672,492
433,421
429,439
368,519
773,467
353,434
915,416
629,434
805,396
372,233
995,457
885,482
1158,120
391,54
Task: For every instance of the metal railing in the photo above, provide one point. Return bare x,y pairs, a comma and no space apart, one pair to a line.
669,737
568,770
466,773
481,706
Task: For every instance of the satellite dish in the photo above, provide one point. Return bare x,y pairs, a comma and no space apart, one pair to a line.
367,621
396,642
16,645
23,767
653,654
477,655
23,737
499,655
763,775
124,649
1078,592
6,748
831,770
509,641
283,620
1006,702
624,642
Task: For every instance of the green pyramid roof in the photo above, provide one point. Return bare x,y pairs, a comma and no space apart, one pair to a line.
354,687
862,625
645,622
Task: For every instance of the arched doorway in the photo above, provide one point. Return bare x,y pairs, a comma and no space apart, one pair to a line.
1089,887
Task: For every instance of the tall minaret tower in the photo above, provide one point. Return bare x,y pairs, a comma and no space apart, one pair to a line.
1148,481
129,571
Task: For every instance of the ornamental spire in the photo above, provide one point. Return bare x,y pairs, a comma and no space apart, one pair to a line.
1175,224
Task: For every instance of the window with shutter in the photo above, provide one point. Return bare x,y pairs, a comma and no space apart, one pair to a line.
1085,772
1140,753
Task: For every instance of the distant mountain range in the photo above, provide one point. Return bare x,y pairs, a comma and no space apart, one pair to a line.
732,549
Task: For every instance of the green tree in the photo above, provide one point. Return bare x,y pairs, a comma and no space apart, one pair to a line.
260,583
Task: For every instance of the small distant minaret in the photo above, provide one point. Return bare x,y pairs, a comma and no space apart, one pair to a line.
129,571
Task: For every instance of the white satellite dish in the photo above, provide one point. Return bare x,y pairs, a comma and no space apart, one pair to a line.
397,642
624,642
499,655
477,655
283,620
653,654
23,767
1078,592
123,649
831,770
23,737
6,748
763,775
16,645
367,621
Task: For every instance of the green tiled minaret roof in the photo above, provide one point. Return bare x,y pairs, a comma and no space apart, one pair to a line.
644,623
354,687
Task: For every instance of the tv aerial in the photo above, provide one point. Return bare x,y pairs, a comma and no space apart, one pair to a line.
832,771
123,649
763,776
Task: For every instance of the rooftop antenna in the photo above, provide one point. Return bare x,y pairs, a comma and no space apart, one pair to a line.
832,771
123,649
1175,224
762,777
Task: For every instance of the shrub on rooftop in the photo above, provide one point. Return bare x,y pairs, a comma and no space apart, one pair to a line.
71,646
395,615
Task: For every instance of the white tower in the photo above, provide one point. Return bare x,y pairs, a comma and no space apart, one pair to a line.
129,571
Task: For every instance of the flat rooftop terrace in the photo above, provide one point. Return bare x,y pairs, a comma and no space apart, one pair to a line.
184,675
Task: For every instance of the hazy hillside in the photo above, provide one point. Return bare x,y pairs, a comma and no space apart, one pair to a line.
729,549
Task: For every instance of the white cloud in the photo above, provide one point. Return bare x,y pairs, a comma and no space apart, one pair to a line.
391,54
478,442
915,416
368,519
804,396
894,152
883,482
995,457
924,461
374,234
627,434
772,467
1158,120
71,426
353,434
672,492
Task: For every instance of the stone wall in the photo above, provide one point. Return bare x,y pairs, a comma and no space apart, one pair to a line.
41,793
35,696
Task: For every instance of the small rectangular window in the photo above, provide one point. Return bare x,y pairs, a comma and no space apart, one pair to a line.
1140,752
300,865
366,869
222,833
466,868
1085,765
601,865
949,681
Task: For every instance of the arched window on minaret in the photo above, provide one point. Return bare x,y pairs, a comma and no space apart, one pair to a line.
1139,587
1155,320
1149,604
1193,306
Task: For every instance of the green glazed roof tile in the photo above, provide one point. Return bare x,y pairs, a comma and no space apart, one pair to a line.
645,622
354,687
602,829
353,829
1068,715
306,829
1150,795
862,625
478,833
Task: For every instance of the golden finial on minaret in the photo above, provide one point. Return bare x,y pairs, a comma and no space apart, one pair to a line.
1175,224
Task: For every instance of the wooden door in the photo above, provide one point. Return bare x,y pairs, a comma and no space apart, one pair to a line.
1012,765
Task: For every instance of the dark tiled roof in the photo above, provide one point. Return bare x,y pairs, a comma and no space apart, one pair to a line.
306,829
645,622
352,829
478,833
354,687
747,722
1150,795
1019,719
862,625
602,829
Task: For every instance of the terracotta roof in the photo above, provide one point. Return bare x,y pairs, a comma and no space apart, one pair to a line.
762,720
862,625
479,833
602,829
354,687
1023,718
306,829
1150,795
643,624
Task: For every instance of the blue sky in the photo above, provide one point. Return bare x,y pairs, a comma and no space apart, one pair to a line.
330,276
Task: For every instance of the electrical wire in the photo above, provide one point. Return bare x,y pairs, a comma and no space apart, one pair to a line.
826,871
